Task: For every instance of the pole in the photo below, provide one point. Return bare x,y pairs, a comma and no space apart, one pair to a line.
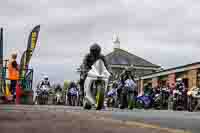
1,60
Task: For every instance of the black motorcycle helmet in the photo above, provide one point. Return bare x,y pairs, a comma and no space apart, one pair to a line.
58,87
95,49
72,84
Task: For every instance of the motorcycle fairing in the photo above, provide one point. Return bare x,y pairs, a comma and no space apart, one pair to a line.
98,72
146,99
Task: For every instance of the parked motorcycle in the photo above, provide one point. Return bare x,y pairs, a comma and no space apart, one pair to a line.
58,98
192,101
112,100
73,96
179,99
157,101
95,86
42,95
165,93
144,101
160,99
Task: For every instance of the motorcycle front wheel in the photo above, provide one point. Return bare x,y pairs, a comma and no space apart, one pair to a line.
40,101
74,100
139,104
109,103
100,96
86,104
189,102
36,101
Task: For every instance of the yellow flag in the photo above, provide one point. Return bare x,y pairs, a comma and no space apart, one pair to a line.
7,93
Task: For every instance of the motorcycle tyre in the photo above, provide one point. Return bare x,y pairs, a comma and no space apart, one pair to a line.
74,100
116,104
86,104
108,103
100,96
174,105
139,104
36,102
189,102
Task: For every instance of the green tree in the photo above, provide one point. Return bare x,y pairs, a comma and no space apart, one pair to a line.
66,85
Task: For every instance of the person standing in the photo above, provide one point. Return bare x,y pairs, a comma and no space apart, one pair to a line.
13,73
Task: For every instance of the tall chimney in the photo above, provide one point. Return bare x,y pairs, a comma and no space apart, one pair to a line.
116,42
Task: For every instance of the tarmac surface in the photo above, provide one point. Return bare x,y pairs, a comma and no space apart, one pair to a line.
62,119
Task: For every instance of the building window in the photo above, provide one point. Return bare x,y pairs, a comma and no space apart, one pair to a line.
198,78
186,82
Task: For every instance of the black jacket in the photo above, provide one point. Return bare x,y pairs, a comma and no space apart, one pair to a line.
89,60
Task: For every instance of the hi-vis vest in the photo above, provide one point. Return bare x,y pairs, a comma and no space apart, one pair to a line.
13,74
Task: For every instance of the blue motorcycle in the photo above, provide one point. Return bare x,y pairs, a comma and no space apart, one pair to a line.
112,98
144,101
73,97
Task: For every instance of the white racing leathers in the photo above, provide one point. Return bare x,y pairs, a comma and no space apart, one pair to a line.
97,72
45,88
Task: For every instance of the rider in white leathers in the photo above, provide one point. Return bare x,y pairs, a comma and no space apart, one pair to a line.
44,81
89,60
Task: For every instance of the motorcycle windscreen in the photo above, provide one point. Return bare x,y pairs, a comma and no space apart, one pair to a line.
99,70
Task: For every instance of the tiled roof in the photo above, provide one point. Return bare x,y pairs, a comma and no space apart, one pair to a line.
122,57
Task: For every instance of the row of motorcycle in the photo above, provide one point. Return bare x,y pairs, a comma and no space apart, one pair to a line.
48,96
157,98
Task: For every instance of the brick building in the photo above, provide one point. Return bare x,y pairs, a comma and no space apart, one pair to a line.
190,74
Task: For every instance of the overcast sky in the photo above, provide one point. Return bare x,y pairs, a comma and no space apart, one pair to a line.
165,32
